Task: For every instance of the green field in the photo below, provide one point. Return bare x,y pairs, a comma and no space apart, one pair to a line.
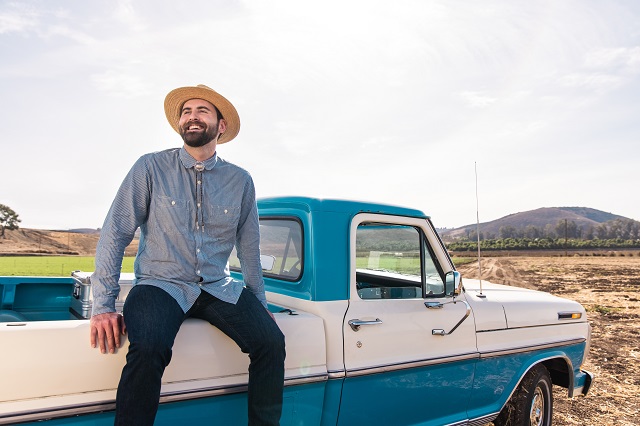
62,266
51,266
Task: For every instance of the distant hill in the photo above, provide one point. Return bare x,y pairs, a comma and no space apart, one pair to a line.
541,218
79,242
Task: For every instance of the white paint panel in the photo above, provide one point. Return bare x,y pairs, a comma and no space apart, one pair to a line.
46,364
332,314
522,307
501,340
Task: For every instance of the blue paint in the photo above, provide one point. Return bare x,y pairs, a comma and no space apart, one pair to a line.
497,377
37,298
431,395
348,207
302,405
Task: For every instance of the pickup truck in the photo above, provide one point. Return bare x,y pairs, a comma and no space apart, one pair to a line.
380,330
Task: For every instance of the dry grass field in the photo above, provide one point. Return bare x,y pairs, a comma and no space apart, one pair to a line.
609,288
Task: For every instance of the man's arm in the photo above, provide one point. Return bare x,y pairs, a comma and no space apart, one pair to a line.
128,211
248,243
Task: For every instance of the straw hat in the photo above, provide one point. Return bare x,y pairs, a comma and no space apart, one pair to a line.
176,98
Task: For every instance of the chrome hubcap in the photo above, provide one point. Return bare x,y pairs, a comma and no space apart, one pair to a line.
536,416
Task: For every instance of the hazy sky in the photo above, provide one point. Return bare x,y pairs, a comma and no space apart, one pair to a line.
375,100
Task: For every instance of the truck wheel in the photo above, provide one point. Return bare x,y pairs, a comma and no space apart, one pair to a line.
532,402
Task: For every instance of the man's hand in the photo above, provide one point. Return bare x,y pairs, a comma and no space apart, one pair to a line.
106,330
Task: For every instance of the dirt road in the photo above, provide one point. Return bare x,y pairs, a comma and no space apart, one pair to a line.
609,289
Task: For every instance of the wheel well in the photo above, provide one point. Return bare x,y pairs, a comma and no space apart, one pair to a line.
560,371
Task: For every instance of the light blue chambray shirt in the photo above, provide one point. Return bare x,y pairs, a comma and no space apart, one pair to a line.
189,222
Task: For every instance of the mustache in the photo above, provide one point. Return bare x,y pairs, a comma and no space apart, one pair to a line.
192,122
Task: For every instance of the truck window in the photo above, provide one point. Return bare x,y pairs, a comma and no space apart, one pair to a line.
394,262
281,243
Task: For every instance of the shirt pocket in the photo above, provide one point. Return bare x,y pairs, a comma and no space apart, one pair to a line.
171,215
222,222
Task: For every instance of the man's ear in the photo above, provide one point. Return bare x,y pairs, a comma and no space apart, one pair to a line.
222,126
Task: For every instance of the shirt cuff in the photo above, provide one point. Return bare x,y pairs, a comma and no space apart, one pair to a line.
103,305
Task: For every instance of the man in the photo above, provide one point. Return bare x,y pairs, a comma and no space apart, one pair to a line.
192,207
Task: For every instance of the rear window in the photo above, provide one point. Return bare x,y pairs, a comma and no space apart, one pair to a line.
281,251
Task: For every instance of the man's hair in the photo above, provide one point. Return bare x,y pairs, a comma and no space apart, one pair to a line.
218,114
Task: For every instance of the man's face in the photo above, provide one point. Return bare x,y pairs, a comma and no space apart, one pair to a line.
199,123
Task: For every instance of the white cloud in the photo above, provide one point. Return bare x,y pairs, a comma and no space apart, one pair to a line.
17,18
125,12
123,83
624,60
598,83
477,99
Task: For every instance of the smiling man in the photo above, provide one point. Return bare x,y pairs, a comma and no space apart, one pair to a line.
192,207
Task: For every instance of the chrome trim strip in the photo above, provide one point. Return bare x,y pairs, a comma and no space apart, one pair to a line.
338,374
580,321
480,421
502,352
53,413
413,364
98,406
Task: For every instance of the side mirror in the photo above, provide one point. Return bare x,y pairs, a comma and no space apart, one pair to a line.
453,283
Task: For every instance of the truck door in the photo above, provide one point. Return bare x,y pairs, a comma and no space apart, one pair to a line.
403,364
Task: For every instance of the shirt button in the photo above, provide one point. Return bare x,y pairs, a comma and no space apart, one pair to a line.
173,203
199,182
225,211
198,204
198,272
197,250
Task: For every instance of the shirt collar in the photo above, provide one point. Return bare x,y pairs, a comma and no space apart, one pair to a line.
188,161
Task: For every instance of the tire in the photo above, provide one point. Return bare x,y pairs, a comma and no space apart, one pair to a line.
532,402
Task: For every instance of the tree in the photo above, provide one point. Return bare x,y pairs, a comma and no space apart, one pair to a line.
533,232
567,229
8,219
508,232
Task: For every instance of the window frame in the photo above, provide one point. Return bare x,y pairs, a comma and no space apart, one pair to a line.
419,224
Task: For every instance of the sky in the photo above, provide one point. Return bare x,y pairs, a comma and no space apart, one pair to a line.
401,102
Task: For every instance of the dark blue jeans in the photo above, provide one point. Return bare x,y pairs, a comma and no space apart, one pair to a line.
153,319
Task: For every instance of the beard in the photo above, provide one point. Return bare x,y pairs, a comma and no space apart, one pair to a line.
201,138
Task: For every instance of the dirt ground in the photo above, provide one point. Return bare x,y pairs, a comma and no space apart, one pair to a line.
609,288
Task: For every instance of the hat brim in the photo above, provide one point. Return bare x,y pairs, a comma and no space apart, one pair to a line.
176,98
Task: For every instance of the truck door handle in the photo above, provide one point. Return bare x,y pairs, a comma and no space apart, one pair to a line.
356,323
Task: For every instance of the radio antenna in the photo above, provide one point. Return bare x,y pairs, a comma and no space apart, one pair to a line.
475,165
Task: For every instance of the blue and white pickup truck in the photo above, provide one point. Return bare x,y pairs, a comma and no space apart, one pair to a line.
380,330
